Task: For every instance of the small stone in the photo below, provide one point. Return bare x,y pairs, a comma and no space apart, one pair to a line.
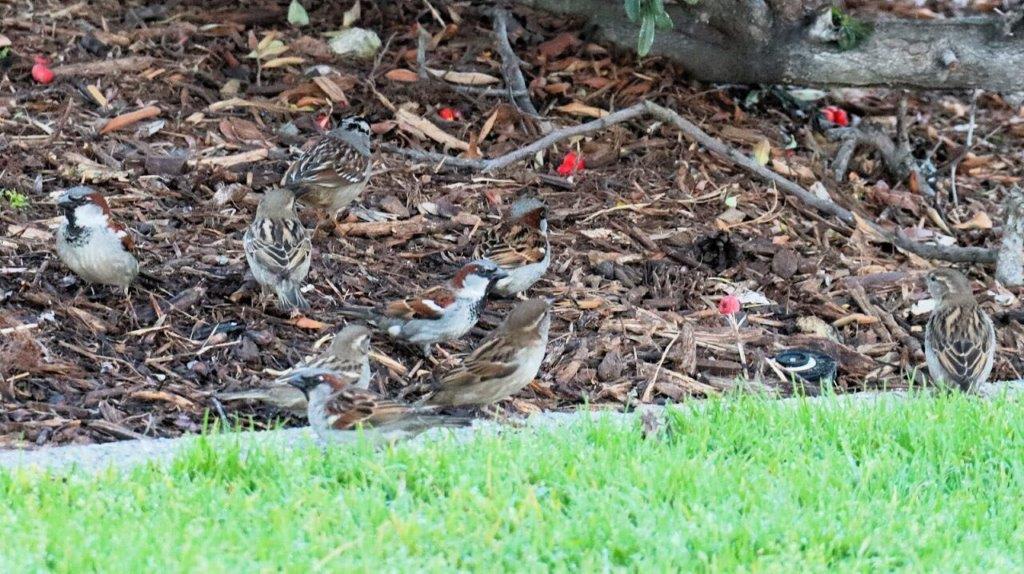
247,351
171,164
610,367
394,206
785,263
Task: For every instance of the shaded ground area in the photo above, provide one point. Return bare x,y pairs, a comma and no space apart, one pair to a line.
647,237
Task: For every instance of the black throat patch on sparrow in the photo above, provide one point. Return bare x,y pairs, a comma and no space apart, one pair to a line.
75,234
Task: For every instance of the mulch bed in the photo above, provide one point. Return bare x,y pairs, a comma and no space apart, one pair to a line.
647,237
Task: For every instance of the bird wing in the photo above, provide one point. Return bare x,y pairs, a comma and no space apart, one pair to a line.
491,360
329,163
515,245
963,339
352,406
280,246
430,304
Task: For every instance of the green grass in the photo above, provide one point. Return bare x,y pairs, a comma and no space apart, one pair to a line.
743,485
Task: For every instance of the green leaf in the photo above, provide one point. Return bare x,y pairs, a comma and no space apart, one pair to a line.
663,20
297,15
643,46
632,9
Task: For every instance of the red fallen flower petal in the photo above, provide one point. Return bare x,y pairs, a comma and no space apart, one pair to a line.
729,305
571,164
836,115
41,60
449,114
323,120
41,73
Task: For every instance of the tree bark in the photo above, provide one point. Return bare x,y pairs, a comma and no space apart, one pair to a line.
774,42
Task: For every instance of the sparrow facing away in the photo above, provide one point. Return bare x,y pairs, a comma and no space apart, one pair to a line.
91,243
336,406
278,249
443,313
332,173
959,339
347,355
520,246
504,363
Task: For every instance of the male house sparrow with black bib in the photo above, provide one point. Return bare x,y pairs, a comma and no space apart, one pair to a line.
443,313
91,243
959,339
347,355
337,406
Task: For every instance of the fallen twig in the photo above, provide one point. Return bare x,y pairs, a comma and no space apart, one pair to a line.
511,69
1010,263
825,204
105,67
898,158
967,148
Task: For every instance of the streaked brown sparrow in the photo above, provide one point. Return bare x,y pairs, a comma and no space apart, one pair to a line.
332,173
278,249
444,313
520,246
504,363
91,243
959,339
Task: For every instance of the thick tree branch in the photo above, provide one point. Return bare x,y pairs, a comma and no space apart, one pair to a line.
957,53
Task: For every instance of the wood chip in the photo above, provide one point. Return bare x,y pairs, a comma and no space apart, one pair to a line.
125,120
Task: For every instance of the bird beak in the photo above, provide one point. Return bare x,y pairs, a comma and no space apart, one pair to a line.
299,383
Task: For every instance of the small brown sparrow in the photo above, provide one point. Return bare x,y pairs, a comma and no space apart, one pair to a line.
959,339
278,249
504,363
335,170
520,246
347,355
91,243
444,313
336,406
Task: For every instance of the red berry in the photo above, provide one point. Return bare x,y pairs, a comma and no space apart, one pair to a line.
729,305
449,114
571,164
836,115
41,73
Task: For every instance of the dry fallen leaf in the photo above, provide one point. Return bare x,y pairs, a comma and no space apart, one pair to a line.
762,151
980,220
124,120
307,323
581,109
402,75
464,78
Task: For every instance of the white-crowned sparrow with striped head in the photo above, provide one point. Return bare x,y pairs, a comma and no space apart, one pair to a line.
347,355
959,339
91,243
332,173
443,313
519,246
336,406
278,249
504,363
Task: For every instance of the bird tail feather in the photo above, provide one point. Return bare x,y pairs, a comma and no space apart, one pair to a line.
290,297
